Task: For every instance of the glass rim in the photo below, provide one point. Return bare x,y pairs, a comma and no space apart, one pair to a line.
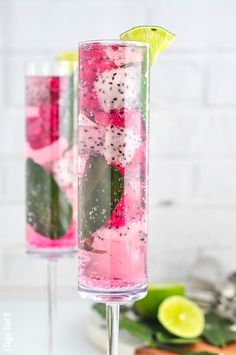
45,67
116,41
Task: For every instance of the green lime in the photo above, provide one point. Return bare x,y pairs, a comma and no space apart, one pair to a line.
69,56
148,306
157,37
181,317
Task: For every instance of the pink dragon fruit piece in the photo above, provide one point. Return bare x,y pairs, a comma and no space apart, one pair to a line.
122,118
123,55
43,129
55,88
92,63
50,153
42,90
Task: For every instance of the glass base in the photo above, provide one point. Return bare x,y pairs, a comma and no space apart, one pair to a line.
51,253
120,296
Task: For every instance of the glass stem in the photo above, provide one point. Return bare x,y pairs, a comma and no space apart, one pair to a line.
52,302
112,314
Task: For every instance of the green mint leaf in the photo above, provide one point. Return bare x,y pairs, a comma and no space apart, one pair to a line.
99,192
165,338
180,350
49,211
147,333
100,308
217,331
138,329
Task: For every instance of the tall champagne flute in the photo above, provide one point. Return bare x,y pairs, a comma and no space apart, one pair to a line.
50,168
113,175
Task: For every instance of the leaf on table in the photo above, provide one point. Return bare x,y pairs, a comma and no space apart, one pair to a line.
138,329
217,331
101,309
100,191
134,327
147,333
182,351
49,211
166,338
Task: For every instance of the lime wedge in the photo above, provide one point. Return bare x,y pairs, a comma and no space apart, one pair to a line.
148,306
157,37
181,317
68,56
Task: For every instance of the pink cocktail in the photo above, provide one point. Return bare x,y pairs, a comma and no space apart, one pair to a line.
51,219
113,169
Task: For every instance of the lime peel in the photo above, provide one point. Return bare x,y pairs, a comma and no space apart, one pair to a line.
148,306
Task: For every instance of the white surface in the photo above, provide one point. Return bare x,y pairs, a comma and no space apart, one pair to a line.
29,325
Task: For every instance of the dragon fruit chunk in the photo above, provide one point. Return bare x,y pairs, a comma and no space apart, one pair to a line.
93,63
121,55
118,88
120,145
91,140
63,171
43,129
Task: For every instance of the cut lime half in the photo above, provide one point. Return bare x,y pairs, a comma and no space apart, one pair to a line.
181,317
148,306
157,37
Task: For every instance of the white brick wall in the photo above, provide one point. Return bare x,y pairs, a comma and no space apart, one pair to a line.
193,123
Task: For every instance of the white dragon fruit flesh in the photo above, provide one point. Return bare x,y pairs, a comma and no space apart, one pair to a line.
120,145
118,88
91,139
63,171
117,144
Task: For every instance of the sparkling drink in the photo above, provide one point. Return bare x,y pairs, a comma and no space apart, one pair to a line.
113,169
51,225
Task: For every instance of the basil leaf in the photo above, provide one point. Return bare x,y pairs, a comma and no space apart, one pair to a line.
100,191
49,211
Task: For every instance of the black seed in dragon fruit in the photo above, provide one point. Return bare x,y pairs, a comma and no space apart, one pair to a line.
120,145
118,88
91,139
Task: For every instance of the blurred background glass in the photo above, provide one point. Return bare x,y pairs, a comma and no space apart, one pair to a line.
193,145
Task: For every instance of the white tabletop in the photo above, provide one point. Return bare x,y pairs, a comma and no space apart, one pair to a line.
29,325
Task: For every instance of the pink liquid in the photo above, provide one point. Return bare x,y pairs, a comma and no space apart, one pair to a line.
49,160
112,152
